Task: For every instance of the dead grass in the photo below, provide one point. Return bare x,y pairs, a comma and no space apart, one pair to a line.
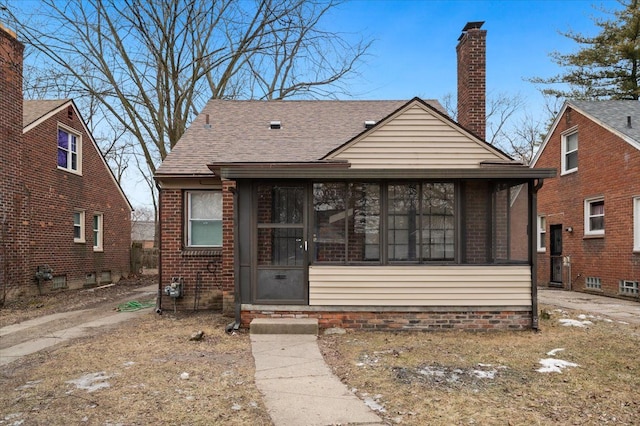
138,378
491,378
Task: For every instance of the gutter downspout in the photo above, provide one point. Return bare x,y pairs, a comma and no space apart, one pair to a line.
533,252
236,267
159,239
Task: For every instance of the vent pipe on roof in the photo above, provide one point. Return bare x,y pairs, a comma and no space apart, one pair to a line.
207,125
628,121
275,125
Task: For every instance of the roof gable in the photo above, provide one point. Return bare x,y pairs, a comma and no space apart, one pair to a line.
35,112
417,136
611,115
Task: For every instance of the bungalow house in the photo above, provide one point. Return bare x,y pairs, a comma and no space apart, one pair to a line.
367,214
65,222
589,216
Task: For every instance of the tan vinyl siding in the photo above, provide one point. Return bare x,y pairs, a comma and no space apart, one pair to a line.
420,285
417,138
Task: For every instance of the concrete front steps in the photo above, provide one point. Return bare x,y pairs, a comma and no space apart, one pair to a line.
284,326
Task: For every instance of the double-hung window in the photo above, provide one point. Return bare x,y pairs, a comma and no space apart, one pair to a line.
204,218
97,231
542,233
69,148
594,216
569,152
78,226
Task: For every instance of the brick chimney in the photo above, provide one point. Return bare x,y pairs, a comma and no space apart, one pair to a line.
472,75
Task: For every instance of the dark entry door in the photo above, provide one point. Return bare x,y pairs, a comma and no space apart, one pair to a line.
556,255
281,267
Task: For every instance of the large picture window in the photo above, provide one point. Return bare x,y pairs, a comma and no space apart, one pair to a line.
348,222
204,213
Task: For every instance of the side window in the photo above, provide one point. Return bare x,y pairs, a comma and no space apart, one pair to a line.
78,226
204,218
570,152
594,216
542,233
97,231
69,149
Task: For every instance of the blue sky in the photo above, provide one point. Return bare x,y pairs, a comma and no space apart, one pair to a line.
414,49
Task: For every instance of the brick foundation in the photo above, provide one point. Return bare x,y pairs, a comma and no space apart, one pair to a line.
395,321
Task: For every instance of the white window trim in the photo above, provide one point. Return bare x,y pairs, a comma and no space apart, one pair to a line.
542,232
82,237
636,224
563,149
587,212
98,245
78,136
188,218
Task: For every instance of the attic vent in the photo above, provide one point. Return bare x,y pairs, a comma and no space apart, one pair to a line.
629,121
275,125
369,124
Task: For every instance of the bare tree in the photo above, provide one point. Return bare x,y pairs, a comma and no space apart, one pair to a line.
152,64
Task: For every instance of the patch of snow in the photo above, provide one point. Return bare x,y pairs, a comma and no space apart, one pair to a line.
432,371
184,376
623,322
91,382
128,364
553,365
574,323
236,407
553,352
491,374
374,405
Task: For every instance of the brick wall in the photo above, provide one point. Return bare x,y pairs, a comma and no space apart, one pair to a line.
202,272
13,245
395,321
55,194
471,51
476,214
609,167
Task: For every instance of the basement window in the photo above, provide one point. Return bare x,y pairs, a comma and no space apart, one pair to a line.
59,281
628,288
593,283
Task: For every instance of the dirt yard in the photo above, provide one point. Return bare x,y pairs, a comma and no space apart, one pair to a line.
577,370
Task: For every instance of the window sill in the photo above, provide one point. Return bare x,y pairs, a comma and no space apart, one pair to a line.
73,172
568,172
80,241
205,251
542,251
98,250
593,237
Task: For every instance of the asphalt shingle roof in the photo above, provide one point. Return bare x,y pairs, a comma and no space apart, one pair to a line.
32,110
239,131
614,114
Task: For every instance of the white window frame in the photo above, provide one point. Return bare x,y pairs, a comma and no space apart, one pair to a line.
636,224
98,231
190,220
80,226
587,215
78,151
542,233
628,287
563,141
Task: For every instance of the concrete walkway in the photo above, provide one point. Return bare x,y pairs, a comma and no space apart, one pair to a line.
616,309
31,336
299,388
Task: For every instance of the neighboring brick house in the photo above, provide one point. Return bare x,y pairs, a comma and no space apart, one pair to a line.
368,214
589,216
60,203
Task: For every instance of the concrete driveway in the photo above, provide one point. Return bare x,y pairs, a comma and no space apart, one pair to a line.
616,309
34,335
